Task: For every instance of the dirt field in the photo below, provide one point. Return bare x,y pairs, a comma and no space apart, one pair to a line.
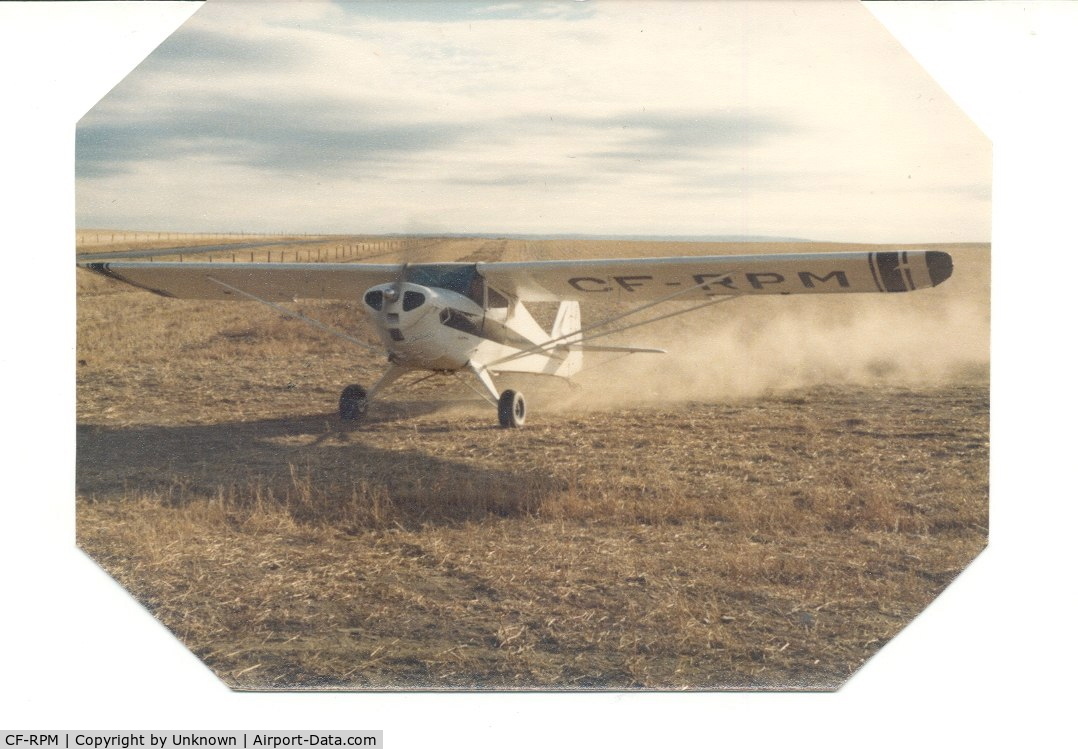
762,508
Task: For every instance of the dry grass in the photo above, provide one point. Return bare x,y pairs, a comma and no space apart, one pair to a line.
769,540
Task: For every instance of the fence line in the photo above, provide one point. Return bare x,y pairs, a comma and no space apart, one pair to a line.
346,251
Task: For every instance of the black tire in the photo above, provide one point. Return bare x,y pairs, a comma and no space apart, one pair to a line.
353,403
511,409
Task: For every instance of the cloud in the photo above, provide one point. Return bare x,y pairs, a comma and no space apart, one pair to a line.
636,117
198,51
464,11
526,175
650,136
301,134
304,134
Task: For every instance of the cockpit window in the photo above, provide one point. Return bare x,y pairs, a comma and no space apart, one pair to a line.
463,278
413,299
496,300
374,299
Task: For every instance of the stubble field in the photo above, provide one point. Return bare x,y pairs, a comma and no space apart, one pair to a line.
764,507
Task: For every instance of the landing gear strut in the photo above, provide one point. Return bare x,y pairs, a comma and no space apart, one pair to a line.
511,409
353,403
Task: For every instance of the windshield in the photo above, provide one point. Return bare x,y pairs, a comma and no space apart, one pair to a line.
461,278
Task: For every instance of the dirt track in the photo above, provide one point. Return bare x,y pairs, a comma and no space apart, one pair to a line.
772,538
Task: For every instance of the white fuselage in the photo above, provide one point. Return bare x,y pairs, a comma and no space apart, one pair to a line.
423,327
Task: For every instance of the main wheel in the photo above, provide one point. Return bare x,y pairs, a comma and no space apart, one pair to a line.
353,403
511,409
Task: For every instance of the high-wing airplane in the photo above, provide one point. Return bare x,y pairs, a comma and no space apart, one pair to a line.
470,317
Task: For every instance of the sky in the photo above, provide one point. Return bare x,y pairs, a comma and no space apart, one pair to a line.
604,117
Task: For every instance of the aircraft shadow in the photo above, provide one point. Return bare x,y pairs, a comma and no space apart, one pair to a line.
312,467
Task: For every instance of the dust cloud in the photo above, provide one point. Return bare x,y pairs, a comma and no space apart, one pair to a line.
754,346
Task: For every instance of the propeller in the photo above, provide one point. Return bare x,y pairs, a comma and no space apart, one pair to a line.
406,253
393,293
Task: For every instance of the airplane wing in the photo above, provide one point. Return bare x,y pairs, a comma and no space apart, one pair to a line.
628,279
696,278
275,282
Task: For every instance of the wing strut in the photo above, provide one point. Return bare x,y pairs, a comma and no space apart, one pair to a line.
302,318
719,300
490,390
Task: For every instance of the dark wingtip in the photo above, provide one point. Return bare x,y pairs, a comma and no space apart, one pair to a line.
940,266
102,268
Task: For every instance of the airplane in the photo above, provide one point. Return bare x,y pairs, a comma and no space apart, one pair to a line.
471,317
